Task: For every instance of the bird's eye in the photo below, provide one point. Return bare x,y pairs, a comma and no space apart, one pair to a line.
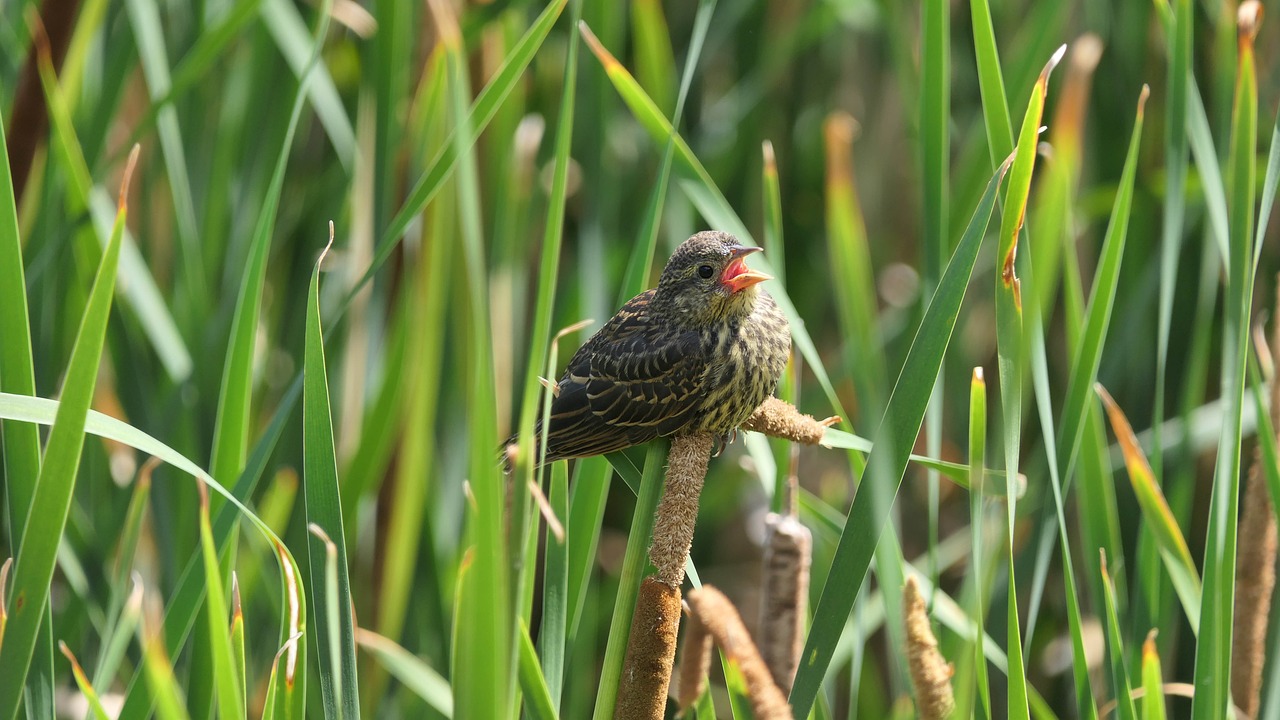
706,271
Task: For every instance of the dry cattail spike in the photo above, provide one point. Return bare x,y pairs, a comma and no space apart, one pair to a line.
780,419
651,652
930,672
1255,566
720,619
695,662
788,548
678,509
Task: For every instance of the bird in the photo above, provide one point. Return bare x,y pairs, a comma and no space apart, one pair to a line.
698,353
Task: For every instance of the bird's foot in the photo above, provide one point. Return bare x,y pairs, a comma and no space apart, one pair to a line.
722,441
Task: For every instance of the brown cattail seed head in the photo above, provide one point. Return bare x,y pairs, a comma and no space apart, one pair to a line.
787,551
930,672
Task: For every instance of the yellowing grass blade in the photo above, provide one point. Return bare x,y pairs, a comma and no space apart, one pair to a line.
1155,510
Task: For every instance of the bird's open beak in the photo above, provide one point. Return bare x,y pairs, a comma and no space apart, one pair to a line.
737,276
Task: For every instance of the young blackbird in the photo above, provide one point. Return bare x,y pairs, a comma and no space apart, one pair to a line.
698,353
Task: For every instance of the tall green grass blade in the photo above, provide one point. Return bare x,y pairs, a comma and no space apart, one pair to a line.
227,687
633,567
483,626
1120,684
188,597
524,474
51,501
1010,341
885,465
21,442
995,105
1088,354
330,600
231,428
1213,651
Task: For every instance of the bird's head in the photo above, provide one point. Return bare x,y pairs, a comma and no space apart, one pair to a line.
707,279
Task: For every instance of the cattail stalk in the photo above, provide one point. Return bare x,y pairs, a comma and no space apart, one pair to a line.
651,652
1255,565
678,509
788,549
647,666
930,672
712,616
779,418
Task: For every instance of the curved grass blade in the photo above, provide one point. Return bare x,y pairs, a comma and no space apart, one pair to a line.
187,598
328,557
271,706
885,465
410,670
43,412
51,501
1213,651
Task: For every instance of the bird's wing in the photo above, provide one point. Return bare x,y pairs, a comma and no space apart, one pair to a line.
633,381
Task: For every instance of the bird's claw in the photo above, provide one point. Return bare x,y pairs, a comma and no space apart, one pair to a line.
722,441
829,422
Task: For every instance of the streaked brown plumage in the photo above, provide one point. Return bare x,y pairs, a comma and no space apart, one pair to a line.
698,353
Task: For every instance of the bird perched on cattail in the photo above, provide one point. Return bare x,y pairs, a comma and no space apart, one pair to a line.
698,353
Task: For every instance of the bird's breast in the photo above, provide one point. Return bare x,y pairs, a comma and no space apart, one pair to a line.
746,358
